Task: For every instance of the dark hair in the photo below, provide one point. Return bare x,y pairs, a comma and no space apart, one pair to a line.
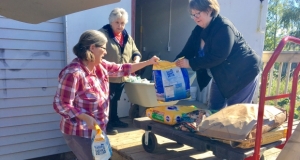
204,5
87,38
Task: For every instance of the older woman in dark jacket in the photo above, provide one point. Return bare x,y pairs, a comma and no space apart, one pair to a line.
216,50
121,49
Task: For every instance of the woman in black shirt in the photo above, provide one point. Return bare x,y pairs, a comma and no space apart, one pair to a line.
216,50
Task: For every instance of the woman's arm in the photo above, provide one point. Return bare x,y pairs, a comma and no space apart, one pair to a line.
189,48
65,95
119,70
140,65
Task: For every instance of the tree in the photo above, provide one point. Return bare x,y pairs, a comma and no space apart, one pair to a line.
272,25
282,20
290,21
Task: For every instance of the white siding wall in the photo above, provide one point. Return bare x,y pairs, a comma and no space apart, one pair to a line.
31,56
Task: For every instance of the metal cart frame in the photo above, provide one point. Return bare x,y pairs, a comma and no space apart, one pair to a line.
263,98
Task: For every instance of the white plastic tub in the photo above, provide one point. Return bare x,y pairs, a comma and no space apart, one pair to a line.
143,94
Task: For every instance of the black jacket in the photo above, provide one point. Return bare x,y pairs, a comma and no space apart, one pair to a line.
230,59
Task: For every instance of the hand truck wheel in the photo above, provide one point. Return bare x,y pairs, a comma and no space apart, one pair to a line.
152,142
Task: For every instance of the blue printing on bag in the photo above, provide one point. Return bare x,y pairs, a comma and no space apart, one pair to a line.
181,84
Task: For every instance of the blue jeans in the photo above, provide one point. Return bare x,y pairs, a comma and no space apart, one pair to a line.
217,101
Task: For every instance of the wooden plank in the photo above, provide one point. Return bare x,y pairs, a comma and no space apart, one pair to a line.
32,145
167,148
30,92
29,74
32,54
287,78
32,11
30,119
30,137
36,153
173,150
16,65
16,34
274,152
45,26
285,56
207,156
291,148
55,20
29,128
25,111
26,102
31,45
270,84
28,83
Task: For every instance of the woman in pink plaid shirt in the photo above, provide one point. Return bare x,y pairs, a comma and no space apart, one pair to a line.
82,96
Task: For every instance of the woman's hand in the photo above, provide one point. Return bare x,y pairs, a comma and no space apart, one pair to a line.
153,60
89,120
140,65
183,63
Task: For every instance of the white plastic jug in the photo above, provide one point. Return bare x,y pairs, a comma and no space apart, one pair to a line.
101,148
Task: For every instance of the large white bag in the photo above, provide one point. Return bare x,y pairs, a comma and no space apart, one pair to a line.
171,82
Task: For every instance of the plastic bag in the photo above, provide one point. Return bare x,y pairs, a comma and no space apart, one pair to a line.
101,148
191,121
171,82
196,116
136,79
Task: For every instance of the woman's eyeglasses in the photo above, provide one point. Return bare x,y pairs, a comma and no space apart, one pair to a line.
196,15
100,46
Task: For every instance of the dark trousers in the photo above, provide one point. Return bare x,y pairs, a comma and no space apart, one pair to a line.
217,101
115,91
80,146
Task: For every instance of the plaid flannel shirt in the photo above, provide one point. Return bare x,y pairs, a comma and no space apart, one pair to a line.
81,91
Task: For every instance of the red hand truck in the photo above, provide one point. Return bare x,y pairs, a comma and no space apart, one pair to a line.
263,98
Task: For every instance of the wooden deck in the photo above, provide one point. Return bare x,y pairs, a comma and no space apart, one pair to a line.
127,145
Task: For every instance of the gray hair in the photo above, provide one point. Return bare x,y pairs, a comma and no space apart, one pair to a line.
118,13
88,38
204,5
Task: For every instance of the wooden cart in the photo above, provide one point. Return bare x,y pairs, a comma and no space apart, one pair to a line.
222,150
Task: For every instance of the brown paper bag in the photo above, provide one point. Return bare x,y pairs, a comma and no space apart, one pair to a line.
238,122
